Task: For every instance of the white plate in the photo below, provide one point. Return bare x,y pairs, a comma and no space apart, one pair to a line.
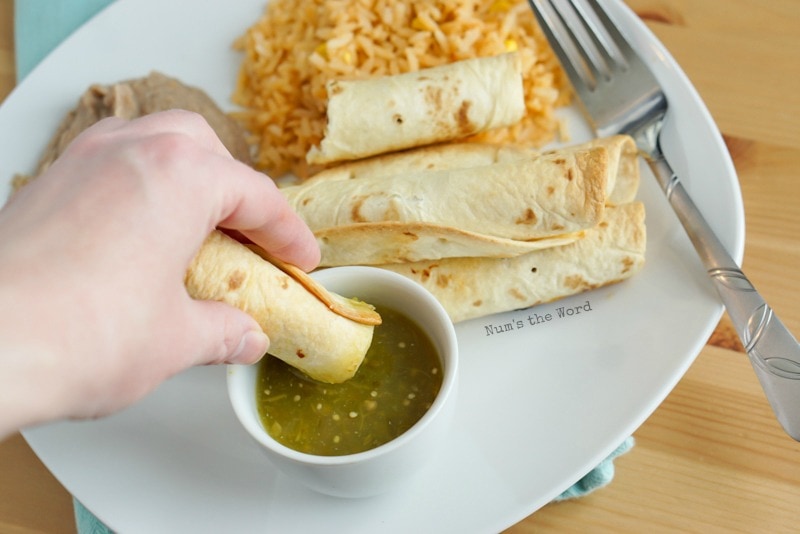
539,406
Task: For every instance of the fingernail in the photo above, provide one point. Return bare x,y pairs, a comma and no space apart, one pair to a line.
252,347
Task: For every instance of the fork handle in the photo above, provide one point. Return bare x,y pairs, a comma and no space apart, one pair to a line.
772,349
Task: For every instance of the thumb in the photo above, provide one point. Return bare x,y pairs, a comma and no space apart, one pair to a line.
226,335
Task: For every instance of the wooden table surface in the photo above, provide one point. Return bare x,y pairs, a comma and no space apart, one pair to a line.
712,457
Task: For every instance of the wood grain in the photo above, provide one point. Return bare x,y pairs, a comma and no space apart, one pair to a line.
712,458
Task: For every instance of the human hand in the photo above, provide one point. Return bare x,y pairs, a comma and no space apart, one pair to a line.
93,310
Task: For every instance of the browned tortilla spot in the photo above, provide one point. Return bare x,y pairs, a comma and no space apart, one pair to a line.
336,89
355,212
391,213
529,217
573,282
462,118
397,118
627,264
433,95
517,294
300,353
578,282
443,280
570,174
426,273
235,280
477,303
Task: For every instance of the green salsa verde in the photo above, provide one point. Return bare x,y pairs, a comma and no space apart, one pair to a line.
395,385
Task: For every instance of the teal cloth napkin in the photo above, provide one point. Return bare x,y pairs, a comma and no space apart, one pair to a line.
599,476
39,26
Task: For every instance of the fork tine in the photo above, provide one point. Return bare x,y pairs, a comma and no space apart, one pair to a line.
573,17
615,88
605,34
558,35
586,51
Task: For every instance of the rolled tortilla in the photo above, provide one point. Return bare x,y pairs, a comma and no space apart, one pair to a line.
445,156
623,163
474,287
389,242
303,331
452,101
497,210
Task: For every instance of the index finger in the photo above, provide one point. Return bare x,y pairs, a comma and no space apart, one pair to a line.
231,193
255,207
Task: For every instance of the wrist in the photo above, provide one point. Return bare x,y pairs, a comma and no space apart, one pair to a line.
29,386
26,399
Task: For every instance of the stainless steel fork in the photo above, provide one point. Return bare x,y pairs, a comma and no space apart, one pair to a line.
620,94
